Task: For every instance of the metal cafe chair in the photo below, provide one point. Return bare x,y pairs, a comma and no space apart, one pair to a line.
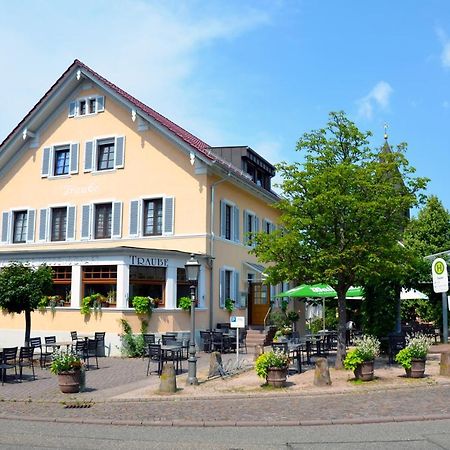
26,360
8,362
36,343
155,355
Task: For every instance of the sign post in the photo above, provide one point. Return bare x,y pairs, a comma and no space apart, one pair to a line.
237,322
440,285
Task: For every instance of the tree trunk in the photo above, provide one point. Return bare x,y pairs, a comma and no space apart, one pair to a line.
27,327
341,342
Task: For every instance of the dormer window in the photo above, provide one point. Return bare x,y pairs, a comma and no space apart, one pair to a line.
86,106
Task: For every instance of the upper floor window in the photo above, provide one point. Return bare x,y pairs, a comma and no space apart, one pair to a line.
20,222
229,221
86,106
58,224
153,217
60,160
102,222
104,154
251,225
268,226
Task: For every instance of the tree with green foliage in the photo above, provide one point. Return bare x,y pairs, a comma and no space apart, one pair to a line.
21,289
342,213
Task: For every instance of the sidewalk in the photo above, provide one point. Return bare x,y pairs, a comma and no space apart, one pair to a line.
120,393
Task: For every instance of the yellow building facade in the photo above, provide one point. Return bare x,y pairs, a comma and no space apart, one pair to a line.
115,197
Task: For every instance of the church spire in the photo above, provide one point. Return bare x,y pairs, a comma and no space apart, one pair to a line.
386,146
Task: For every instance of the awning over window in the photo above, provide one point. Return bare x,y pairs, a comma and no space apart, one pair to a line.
256,268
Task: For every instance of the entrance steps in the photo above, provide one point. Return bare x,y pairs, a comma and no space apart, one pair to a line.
258,336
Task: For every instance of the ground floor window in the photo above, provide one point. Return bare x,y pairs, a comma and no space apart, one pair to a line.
100,280
183,285
62,280
147,281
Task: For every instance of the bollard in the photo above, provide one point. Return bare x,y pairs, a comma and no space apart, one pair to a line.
215,364
168,380
259,350
445,364
322,373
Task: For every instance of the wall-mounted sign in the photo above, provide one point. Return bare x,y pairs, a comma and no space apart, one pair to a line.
150,262
440,276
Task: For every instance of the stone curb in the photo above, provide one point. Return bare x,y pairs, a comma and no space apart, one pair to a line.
224,423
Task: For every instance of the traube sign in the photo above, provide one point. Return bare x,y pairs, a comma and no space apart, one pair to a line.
152,262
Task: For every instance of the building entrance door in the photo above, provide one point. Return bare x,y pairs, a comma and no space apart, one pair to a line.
259,301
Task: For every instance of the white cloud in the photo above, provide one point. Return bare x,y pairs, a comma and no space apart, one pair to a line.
445,42
378,97
151,49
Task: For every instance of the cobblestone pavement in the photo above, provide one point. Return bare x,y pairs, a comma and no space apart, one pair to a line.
117,394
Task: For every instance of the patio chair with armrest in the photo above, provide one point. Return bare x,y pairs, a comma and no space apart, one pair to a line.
8,362
99,336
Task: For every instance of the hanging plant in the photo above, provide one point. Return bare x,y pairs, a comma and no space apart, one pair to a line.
184,303
91,303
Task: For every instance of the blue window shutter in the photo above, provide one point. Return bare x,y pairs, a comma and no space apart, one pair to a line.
265,225
168,215
88,155
222,218
85,221
43,224
245,227
30,224
5,226
70,234
257,222
46,162
134,214
222,288
117,219
72,108
119,154
100,103
74,158
237,300
236,219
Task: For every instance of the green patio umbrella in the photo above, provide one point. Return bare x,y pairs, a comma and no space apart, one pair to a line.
322,291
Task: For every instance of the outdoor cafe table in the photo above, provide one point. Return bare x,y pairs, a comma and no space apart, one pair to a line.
174,352
59,344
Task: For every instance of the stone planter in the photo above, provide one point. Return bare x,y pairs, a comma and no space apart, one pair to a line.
69,382
417,369
364,371
276,376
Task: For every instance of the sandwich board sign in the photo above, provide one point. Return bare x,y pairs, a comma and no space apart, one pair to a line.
440,276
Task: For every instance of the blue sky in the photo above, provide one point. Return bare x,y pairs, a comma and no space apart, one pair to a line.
257,73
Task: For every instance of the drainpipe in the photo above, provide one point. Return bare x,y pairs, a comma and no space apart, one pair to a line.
212,252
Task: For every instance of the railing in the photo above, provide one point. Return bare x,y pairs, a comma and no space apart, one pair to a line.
267,316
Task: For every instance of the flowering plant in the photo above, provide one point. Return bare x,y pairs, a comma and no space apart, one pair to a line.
367,348
65,362
416,348
276,358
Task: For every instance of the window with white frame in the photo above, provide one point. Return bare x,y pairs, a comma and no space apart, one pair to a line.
268,226
229,286
229,221
152,216
18,226
104,154
57,224
87,106
251,225
60,160
101,220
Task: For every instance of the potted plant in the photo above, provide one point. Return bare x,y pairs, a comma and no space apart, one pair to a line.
413,356
184,303
361,358
143,305
282,334
91,302
229,305
67,366
273,366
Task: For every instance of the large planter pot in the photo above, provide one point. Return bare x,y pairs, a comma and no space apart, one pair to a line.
364,371
276,376
417,369
69,382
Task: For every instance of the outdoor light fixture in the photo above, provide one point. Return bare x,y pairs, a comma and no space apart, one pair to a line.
192,268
